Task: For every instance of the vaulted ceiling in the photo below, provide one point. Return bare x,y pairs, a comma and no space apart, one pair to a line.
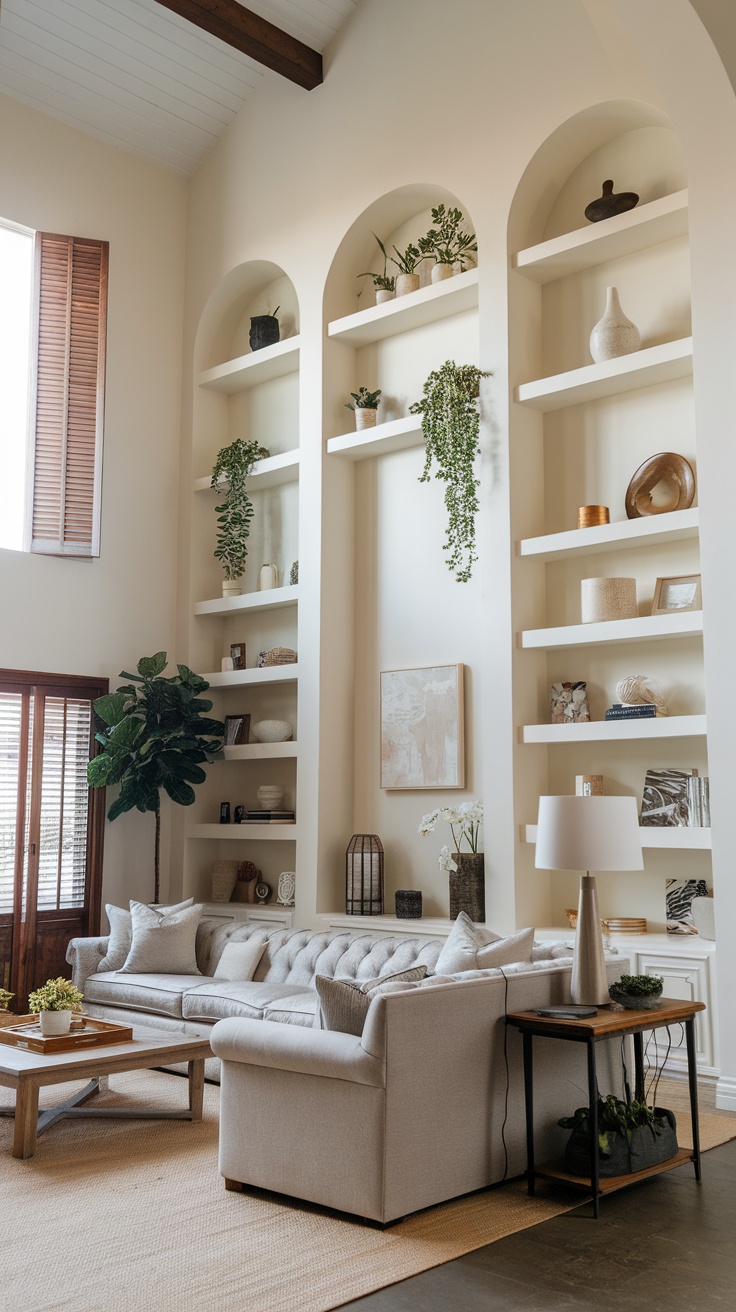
139,76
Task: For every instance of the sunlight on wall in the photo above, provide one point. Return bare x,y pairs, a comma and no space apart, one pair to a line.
16,257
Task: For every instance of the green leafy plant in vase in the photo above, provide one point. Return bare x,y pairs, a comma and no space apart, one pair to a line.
447,244
631,1136
365,404
451,429
407,262
383,283
155,736
233,467
638,992
54,1003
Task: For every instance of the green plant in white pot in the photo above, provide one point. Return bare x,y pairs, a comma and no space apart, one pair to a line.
233,466
451,428
365,405
5,997
54,1003
446,243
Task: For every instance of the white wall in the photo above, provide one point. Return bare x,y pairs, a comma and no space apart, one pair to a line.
98,617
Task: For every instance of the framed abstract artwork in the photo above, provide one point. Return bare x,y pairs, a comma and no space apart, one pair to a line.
422,731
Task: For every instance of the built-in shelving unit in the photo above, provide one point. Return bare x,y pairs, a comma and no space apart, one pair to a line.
253,369
275,471
243,833
272,599
653,530
260,751
395,435
602,731
645,628
594,382
428,305
253,678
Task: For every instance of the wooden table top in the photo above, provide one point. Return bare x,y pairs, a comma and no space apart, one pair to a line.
146,1043
609,1020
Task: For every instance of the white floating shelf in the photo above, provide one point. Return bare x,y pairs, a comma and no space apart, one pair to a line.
688,624
396,435
256,367
623,234
672,526
259,751
252,678
672,838
272,472
627,373
271,599
666,726
428,305
239,833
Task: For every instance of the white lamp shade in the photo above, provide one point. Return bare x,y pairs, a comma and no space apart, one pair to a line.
588,833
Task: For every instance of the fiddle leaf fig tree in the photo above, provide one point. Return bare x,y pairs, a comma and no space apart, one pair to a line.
451,426
155,735
233,466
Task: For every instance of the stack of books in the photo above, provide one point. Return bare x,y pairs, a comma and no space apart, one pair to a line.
644,711
269,818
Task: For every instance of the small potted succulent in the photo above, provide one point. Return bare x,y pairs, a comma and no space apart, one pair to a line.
54,1003
638,992
446,243
233,466
365,407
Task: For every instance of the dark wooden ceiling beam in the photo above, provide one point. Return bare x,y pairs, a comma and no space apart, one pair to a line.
253,36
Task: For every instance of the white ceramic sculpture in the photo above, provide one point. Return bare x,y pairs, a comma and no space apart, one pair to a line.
271,731
614,334
636,690
270,796
286,888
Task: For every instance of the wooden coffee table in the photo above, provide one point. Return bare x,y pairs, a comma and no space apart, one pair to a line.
27,1072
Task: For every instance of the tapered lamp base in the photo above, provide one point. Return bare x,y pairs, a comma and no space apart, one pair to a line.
589,981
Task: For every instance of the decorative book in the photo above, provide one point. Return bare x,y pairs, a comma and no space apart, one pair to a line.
664,801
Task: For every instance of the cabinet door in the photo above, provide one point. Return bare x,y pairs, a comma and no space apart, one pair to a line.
689,979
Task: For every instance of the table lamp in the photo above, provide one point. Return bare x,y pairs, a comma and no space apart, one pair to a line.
588,833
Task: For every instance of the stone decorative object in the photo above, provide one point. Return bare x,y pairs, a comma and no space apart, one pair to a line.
224,875
607,599
703,914
665,468
636,690
245,885
268,577
569,703
269,796
408,904
286,888
271,731
588,785
294,574
614,334
227,664
591,516
264,330
609,203
468,886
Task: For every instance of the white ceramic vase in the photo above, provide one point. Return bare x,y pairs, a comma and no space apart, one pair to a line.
268,577
383,294
54,1022
614,334
270,796
406,282
271,731
364,418
231,588
441,271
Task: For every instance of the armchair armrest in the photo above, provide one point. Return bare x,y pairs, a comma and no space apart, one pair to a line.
84,956
295,1048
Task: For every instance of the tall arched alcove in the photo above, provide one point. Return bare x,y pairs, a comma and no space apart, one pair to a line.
578,432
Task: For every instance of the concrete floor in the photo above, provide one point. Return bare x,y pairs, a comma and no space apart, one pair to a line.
665,1245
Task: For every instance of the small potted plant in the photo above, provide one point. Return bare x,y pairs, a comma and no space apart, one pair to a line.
54,1003
233,466
384,283
5,999
407,279
446,243
631,1136
365,407
638,992
466,870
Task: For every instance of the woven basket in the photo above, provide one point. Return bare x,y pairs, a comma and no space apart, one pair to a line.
277,656
224,875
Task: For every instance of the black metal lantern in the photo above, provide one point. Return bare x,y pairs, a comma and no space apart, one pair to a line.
364,876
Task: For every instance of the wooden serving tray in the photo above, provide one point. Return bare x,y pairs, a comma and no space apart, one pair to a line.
95,1034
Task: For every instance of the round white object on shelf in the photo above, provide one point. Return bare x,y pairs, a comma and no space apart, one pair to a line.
271,731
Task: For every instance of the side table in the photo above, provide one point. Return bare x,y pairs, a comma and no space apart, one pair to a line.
607,1024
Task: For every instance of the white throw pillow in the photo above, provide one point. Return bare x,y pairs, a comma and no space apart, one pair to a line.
119,941
470,947
239,960
344,1003
163,941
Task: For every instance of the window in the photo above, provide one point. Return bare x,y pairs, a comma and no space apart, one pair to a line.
62,311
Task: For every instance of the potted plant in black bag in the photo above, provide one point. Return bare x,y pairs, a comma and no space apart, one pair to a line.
631,1136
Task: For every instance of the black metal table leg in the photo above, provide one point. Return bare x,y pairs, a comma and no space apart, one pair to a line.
593,1118
692,1076
529,1106
639,1067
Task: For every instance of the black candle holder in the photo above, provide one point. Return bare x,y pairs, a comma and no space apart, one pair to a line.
408,904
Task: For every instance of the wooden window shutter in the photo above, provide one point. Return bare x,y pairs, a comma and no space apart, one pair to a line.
68,395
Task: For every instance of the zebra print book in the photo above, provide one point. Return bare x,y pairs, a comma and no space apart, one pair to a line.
664,801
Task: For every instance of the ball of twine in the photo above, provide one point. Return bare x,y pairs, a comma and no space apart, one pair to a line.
636,690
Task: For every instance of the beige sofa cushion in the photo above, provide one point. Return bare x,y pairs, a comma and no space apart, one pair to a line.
220,999
158,993
471,947
163,940
239,960
344,1003
118,944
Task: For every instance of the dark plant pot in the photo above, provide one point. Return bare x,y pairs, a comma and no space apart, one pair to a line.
408,903
468,886
264,331
647,1148
635,1001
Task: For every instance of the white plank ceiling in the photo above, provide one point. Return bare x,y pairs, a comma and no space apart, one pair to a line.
139,77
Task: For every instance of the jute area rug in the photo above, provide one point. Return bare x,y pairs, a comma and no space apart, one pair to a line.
132,1216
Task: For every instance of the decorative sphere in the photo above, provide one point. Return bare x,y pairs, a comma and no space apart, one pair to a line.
271,731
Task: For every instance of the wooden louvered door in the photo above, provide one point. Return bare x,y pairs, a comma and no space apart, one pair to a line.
50,829
67,394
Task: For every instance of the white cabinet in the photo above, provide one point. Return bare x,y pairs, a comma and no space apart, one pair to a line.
274,917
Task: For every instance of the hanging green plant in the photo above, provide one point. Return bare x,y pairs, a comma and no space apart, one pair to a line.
233,466
451,424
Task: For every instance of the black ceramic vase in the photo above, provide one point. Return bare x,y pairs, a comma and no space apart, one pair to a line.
468,886
264,331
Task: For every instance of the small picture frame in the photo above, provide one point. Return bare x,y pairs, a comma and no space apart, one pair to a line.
237,730
237,655
677,594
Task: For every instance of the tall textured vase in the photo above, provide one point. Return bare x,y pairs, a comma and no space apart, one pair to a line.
614,334
468,886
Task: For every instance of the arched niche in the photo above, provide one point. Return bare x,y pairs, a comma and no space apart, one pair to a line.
257,287
629,141
399,217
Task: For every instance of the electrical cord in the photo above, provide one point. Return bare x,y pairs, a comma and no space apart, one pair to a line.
508,1077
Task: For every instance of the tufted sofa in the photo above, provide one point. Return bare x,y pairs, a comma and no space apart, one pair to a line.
283,988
